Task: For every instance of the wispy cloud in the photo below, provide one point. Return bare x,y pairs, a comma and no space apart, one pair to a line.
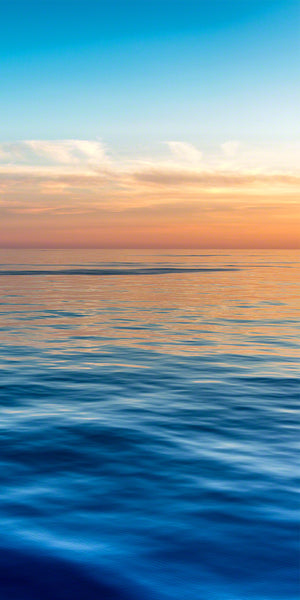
43,153
213,179
230,148
185,152
92,156
76,192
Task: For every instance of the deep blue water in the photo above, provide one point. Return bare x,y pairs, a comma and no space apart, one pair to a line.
148,426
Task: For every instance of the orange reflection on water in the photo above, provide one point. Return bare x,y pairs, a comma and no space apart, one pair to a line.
252,309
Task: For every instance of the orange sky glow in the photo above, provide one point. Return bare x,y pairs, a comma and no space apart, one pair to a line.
73,194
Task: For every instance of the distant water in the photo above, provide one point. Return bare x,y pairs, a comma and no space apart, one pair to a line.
148,425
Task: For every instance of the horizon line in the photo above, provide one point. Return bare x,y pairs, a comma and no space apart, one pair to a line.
148,248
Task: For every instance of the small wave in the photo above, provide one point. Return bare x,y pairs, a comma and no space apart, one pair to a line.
144,271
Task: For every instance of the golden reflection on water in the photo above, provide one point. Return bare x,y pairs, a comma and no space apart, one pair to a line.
251,310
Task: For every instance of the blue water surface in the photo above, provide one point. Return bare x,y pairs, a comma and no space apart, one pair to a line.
148,425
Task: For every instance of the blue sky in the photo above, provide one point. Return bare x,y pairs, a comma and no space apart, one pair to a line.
143,71
149,123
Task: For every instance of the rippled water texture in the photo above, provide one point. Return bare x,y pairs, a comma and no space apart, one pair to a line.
148,425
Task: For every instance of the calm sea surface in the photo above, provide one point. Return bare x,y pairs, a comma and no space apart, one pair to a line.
148,425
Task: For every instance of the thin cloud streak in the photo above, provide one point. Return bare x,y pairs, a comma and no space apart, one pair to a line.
58,152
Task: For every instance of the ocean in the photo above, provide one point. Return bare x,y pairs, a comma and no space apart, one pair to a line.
148,424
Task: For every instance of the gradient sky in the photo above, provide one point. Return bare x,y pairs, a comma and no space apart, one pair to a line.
149,123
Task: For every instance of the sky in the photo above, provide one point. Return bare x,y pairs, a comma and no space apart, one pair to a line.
149,123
